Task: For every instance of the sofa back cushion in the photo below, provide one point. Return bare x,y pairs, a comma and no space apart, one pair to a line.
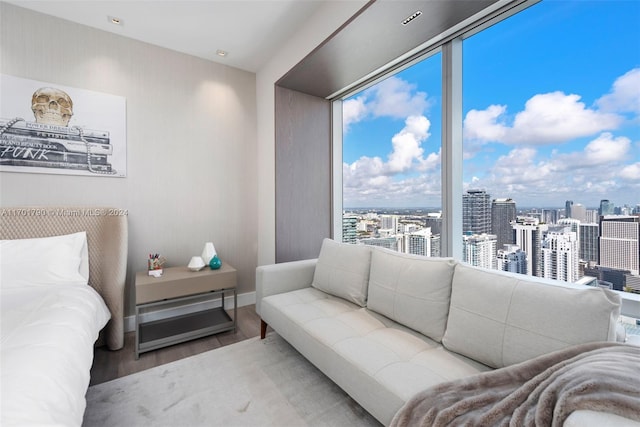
343,271
414,291
500,319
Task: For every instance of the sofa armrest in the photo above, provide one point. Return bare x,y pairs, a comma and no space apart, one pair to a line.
284,277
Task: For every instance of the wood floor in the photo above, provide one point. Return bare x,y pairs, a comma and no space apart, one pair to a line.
109,365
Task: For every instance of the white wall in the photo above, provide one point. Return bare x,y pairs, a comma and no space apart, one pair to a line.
320,26
191,141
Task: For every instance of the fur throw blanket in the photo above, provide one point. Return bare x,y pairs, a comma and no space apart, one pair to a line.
539,392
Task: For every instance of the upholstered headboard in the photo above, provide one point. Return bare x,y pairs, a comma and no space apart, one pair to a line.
107,235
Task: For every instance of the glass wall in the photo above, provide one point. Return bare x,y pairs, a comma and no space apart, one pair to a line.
550,119
551,112
391,170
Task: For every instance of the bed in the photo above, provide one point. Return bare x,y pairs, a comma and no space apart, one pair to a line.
62,277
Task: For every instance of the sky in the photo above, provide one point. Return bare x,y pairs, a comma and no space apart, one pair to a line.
551,112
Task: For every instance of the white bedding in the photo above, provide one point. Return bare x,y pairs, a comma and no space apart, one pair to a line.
46,341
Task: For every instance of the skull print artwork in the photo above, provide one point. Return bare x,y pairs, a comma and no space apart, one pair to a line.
51,106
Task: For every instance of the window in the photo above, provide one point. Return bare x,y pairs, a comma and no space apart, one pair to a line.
391,161
550,119
551,110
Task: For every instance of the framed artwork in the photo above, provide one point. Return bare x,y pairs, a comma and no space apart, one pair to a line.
55,129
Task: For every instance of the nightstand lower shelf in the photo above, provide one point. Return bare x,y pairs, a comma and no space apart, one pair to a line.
161,333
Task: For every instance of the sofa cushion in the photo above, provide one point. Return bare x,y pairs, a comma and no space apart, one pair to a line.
500,319
343,271
414,291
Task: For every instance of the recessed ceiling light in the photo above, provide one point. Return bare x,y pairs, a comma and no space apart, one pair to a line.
115,20
221,53
412,17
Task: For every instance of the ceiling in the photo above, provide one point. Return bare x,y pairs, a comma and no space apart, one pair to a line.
252,31
249,30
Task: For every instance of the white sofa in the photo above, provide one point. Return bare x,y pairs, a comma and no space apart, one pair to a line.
385,325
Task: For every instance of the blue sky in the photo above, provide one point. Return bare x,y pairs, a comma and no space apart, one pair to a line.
551,112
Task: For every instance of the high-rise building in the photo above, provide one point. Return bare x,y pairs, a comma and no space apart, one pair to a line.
390,222
349,228
434,221
503,211
476,212
435,245
479,250
578,212
606,207
593,216
574,225
418,242
549,216
559,259
512,259
619,242
567,208
588,238
528,235
623,210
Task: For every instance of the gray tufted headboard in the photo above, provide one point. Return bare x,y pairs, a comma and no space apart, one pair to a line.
107,235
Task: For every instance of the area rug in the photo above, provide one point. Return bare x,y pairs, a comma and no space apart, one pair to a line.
251,383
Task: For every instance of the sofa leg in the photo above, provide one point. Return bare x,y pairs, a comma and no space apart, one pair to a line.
263,329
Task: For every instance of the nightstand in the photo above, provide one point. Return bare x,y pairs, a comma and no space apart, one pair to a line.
182,305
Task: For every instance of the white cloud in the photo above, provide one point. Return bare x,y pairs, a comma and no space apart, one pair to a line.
353,110
606,167
604,150
631,172
624,95
393,97
432,162
591,172
555,117
372,180
407,144
483,124
547,118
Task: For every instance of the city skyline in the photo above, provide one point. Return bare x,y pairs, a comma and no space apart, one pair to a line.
551,112
519,207
603,251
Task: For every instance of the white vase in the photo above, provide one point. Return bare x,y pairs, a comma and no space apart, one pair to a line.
208,252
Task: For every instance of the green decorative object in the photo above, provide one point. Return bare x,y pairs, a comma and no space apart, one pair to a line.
215,263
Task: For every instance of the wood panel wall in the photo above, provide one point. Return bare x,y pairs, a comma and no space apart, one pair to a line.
302,174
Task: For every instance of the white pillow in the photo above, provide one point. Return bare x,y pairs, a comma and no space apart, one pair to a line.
43,261
343,271
413,290
500,319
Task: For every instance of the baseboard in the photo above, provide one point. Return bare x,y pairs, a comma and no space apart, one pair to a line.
243,300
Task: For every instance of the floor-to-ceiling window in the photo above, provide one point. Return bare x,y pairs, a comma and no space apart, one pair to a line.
391,161
551,131
551,112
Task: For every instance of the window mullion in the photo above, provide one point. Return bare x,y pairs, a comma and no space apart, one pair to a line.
451,155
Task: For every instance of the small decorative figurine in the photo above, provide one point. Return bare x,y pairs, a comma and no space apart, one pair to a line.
155,262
